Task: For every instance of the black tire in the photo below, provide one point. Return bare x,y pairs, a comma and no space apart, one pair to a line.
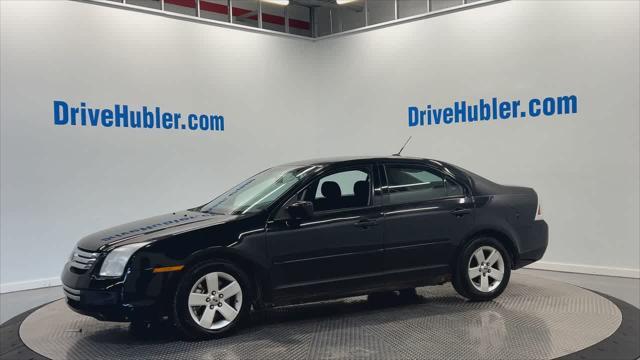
458,282
409,293
184,321
461,280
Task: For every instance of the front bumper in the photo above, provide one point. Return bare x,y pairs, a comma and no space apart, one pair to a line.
140,294
102,305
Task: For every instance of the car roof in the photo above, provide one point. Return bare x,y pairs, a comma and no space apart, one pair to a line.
348,159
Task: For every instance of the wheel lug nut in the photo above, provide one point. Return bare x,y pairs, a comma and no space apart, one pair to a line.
219,304
207,299
211,307
213,293
221,296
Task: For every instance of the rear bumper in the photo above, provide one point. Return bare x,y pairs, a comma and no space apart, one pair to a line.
533,244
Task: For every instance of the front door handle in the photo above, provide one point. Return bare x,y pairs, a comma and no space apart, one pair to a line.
365,223
460,212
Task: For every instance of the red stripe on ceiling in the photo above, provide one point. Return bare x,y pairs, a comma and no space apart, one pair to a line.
185,3
213,7
240,12
223,9
299,24
273,19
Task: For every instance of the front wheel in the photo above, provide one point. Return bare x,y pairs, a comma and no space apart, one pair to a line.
212,300
483,269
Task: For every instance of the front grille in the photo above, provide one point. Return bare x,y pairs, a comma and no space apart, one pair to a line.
72,294
83,260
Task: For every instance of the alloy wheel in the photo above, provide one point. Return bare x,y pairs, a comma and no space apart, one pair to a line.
215,300
486,269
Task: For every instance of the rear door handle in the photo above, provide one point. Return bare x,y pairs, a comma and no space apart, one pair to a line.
365,223
460,212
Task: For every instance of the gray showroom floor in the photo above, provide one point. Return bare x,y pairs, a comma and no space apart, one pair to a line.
12,304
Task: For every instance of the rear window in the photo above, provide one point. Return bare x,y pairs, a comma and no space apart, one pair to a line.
413,184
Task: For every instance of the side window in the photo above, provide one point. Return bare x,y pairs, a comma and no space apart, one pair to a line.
341,190
408,184
453,189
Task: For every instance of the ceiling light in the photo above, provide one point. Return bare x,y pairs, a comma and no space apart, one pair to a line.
342,2
278,2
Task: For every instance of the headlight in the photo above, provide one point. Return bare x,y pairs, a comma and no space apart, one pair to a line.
115,262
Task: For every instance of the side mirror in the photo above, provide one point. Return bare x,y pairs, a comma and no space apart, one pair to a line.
301,210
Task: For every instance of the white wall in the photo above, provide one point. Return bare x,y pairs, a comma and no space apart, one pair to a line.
61,183
585,167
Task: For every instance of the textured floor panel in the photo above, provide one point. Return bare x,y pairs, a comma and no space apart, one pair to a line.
534,318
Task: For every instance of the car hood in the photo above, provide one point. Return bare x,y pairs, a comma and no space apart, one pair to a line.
151,228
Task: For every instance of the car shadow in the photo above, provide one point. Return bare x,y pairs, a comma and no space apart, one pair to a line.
309,330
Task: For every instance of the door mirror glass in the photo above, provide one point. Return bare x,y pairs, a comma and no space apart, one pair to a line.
301,210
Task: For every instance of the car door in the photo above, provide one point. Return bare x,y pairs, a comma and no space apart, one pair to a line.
342,242
426,212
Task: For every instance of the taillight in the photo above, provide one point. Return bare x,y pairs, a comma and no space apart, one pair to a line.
539,213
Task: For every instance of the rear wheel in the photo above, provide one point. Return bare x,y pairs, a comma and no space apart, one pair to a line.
483,269
212,300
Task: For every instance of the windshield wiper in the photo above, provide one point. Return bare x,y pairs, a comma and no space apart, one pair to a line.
212,212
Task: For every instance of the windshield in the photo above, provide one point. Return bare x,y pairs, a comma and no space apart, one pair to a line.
257,192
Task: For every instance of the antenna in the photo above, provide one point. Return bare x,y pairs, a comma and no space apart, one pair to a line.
402,148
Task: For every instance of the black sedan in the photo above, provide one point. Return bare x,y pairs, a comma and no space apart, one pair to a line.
307,231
